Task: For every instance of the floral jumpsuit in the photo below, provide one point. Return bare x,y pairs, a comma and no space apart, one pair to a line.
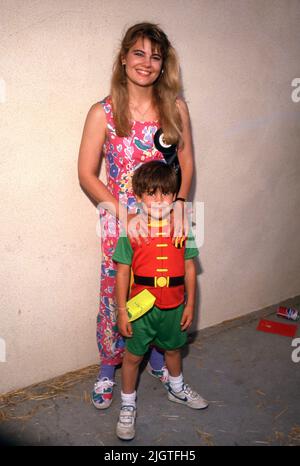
122,156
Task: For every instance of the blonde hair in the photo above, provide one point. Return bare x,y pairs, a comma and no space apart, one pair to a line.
165,90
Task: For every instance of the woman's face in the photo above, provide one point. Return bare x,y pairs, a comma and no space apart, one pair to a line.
143,65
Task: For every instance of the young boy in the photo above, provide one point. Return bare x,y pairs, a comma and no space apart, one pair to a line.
167,270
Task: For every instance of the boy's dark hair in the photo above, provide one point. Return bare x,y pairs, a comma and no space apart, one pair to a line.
152,176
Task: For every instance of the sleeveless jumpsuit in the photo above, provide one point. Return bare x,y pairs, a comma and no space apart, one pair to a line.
122,156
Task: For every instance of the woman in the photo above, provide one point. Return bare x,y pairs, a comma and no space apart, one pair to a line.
145,87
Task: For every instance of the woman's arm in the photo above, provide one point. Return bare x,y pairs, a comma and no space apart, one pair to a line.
185,154
186,162
90,152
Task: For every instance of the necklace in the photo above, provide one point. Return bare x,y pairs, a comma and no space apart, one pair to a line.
142,114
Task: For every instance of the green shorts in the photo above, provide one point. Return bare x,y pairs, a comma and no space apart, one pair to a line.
160,327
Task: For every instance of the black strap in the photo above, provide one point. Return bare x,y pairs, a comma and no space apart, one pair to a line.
149,281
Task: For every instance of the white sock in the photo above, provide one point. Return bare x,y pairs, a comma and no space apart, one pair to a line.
128,399
176,383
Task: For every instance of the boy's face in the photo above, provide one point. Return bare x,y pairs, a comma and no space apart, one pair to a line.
157,204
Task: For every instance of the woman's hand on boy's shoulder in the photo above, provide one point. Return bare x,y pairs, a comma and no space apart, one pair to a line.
137,227
180,220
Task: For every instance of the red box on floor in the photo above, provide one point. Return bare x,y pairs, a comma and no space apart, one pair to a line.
287,330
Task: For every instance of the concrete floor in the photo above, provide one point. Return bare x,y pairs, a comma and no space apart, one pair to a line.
248,376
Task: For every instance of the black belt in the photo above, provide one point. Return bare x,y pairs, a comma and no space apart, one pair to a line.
159,281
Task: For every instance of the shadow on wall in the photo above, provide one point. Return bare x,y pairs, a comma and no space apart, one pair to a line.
199,269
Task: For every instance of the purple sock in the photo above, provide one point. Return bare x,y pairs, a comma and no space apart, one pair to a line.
156,359
107,371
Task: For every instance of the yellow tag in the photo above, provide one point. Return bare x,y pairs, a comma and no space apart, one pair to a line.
140,304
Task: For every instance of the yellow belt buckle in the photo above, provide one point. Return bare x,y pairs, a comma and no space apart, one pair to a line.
161,282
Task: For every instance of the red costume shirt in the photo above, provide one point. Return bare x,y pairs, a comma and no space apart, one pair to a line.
159,259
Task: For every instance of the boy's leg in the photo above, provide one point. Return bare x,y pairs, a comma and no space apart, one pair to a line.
126,423
173,362
171,338
130,369
179,392
136,347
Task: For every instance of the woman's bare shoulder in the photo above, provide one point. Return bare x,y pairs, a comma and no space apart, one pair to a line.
96,116
97,110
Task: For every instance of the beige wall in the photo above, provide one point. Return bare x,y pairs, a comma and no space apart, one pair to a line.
238,60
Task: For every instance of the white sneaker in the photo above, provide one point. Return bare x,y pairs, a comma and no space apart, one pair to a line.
126,424
161,374
187,397
102,393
